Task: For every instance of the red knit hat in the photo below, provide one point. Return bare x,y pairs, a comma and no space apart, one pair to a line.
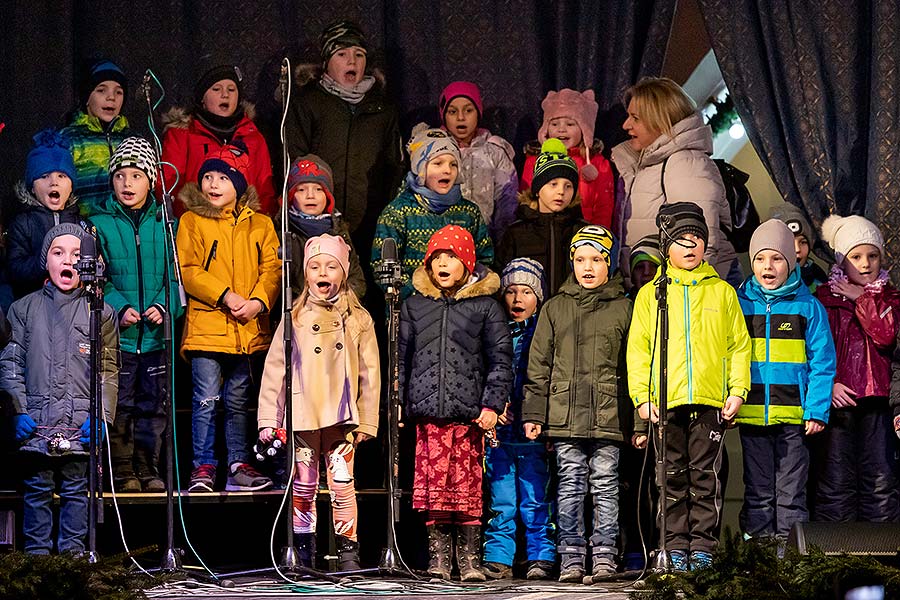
457,240
233,161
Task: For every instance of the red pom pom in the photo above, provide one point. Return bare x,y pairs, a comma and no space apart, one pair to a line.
589,172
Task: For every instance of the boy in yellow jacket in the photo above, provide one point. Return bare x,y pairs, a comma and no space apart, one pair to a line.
229,258
708,380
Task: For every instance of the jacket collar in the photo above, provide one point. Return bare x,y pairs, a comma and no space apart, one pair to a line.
702,272
196,202
27,197
612,289
82,119
483,282
791,289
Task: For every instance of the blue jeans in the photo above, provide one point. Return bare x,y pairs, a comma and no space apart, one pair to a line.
219,377
37,521
588,465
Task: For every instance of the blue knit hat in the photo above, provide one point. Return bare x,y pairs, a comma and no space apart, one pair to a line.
524,271
50,153
100,71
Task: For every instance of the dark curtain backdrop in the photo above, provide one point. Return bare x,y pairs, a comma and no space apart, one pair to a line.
514,50
817,85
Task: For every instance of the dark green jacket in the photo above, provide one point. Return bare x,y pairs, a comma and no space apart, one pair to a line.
576,385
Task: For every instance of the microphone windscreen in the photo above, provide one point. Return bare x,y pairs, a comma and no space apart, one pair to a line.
389,250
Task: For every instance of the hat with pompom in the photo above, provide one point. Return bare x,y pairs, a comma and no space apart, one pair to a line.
580,107
553,162
455,239
49,153
844,234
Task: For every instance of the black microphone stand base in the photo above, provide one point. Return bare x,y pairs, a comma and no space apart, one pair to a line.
171,560
662,562
289,559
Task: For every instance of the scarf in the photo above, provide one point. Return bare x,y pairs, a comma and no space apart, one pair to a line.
431,200
222,127
352,95
837,275
310,225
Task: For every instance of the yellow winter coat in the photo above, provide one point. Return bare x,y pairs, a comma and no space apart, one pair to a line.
231,250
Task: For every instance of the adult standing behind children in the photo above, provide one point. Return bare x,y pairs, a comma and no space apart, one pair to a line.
219,116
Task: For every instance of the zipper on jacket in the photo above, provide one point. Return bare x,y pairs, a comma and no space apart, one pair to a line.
140,286
347,164
444,311
687,342
553,273
766,366
212,255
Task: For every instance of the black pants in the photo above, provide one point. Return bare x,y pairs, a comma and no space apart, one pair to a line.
136,436
694,445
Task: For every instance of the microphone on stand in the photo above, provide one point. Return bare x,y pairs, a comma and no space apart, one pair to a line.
389,273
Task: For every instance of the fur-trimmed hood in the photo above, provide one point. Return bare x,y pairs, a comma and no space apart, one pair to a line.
483,282
181,117
194,201
27,197
306,72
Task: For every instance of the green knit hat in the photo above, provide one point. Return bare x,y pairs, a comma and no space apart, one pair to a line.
553,162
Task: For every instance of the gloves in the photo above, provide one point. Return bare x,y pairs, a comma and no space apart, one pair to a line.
25,426
86,432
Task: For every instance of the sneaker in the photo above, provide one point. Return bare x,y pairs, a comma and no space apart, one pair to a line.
700,560
679,560
539,569
153,485
244,478
128,485
203,478
495,570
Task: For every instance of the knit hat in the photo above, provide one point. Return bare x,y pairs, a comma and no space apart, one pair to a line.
135,152
56,231
100,71
332,245
844,234
681,218
775,235
646,248
553,162
208,79
457,240
49,153
341,34
524,271
599,238
796,220
582,108
312,169
466,89
231,159
427,145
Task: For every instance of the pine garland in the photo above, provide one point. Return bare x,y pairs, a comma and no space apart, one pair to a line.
726,115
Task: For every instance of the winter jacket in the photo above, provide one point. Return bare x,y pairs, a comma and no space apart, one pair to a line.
598,197
361,144
544,237
92,144
522,333
864,334
455,352
220,251
187,141
488,178
691,176
576,381
411,224
709,348
25,237
793,359
335,370
46,369
136,259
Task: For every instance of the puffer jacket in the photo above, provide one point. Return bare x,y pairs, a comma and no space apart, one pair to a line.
691,176
46,369
25,236
187,141
335,370
864,335
522,333
793,361
709,348
92,144
220,251
455,353
576,382
136,260
488,178
543,237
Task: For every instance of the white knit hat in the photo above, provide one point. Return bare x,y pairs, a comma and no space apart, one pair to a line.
844,234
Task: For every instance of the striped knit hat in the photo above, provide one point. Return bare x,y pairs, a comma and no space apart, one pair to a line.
599,238
135,152
457,240
524,271
553,162
646,248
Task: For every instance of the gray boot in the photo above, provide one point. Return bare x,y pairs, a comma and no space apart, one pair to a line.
468,553
440,547
571,562
603,560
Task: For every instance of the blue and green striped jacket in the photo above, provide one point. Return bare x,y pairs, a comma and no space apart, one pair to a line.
92,144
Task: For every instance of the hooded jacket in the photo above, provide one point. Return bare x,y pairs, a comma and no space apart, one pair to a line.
488,178
92,145
455,352
220,251
576,386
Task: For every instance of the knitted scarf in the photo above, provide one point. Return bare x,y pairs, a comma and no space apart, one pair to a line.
352,95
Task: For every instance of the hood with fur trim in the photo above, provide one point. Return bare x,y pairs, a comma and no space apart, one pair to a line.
306,72
27,197
181,117
194,201
483,282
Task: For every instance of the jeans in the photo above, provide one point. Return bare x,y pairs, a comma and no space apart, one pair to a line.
219,378
588,465
37,520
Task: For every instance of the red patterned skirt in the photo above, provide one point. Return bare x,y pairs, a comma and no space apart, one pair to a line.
448,468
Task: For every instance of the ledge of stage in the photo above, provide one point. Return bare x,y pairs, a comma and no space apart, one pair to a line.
11,497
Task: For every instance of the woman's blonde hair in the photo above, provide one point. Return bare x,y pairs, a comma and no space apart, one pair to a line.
660,102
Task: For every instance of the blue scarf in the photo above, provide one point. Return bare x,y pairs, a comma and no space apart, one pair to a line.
434,202
308,225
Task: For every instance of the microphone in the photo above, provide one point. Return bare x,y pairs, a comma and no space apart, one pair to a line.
389,273
145,85
282,79
389,250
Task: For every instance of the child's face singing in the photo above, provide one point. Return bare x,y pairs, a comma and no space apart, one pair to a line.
64,253
862,264
686,252
566,130
801,247
131,186
555,195
221,98
218,189
447,270
521,302
441,173
347,66
641,134
461,119
105,102
590,267
310,199
770,269
324,276
643,273
53,189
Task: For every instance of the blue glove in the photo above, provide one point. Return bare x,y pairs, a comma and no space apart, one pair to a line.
86,432
25,426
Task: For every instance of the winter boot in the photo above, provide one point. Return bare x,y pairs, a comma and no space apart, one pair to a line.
539,569
571,562
348,553
603,560
468,553
305,543
440,546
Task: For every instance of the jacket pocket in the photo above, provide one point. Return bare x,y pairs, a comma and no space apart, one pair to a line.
606,405
560,400
209,321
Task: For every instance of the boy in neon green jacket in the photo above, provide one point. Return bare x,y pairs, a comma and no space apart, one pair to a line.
708,380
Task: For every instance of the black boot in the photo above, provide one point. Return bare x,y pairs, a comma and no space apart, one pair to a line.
348,553
468,553
305,543
440,540
571,562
